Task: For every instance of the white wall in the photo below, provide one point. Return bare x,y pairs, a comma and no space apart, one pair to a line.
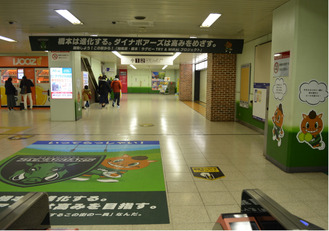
143,77
203,86
139,78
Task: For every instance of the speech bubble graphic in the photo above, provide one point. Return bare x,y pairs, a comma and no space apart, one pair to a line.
279,89
313,92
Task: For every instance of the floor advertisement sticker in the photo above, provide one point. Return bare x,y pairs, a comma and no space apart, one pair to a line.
90,182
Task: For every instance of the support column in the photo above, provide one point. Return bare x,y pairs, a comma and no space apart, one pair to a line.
297,137
185,82
221,80
66,98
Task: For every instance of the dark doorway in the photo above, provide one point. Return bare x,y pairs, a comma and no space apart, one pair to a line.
197,86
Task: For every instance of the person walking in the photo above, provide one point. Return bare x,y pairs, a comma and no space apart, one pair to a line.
116,88
26,91
10,92
103,89
86,96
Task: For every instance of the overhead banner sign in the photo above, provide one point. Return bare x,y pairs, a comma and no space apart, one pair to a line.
87,43
147,60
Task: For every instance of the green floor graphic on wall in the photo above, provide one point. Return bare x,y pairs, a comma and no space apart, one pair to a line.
90,182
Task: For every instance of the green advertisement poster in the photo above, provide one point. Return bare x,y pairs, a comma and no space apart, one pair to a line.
90,182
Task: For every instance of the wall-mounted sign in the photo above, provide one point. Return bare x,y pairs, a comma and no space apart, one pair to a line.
259,105
147,60
61,83
245,85
136,44
281,64
24,61
85,78
279,89
313,92
60,56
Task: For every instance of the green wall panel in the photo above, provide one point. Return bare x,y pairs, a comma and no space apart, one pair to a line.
147,90
296,154
245,115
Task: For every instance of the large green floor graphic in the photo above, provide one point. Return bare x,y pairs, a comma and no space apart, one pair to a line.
90,182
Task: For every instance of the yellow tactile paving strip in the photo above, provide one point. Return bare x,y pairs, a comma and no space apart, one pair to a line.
11,130
197,106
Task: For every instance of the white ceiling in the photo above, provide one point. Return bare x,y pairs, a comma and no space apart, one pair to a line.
241,19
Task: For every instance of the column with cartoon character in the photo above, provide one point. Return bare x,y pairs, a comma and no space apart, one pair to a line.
297,130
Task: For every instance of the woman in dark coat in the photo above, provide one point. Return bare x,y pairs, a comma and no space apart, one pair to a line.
10,92
103,89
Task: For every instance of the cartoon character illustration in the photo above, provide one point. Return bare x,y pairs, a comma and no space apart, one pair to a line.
277,119
310,130
111,169
228,47
40,173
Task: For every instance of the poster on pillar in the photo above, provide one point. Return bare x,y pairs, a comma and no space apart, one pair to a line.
297,115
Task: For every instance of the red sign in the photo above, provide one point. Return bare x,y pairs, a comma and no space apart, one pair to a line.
23,61
124,81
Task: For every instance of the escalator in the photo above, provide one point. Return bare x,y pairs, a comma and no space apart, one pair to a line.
91,79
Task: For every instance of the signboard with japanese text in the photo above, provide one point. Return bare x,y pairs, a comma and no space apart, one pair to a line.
136,44
281,64
207,173
90,182
259,102
147,60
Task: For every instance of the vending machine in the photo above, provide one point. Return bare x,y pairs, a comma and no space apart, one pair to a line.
42,86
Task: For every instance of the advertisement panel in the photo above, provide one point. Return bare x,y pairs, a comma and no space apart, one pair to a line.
61,83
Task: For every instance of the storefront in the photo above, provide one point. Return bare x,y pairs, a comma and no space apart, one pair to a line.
34,68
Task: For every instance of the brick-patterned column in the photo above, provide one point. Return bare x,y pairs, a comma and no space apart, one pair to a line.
185,82
221,80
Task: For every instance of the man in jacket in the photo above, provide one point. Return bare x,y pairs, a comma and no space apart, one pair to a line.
116,88
26,91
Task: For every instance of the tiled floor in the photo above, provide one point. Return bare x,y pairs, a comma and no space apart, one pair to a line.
187,139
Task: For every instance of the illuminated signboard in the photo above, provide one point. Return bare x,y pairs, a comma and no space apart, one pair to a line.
61,83
85,78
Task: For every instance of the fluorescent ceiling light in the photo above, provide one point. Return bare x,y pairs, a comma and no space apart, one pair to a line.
117,54
94,35
133,66
7,39
70,17
210,19
164,67
175,55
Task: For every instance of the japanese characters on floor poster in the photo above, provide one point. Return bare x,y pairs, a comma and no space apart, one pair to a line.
90,182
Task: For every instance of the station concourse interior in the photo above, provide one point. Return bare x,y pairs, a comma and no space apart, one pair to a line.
187,139
221,108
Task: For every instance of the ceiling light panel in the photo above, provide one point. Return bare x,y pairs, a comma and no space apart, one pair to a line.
210,20
7,39
70,17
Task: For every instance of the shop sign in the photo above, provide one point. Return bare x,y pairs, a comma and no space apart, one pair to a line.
23,61
147,60
136,44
